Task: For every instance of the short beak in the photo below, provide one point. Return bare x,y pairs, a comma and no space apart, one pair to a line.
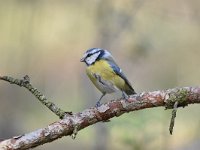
82,59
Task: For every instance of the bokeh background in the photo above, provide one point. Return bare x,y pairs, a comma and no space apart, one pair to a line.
156,43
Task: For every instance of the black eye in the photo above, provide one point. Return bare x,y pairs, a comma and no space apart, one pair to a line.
89,55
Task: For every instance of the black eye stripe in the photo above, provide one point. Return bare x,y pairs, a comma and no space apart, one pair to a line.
90,54
93,49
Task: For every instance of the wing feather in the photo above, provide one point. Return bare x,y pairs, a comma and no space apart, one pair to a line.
119,72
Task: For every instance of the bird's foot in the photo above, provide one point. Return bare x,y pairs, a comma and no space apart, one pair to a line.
98,104
125,96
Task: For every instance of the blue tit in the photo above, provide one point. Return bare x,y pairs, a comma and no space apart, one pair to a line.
105,73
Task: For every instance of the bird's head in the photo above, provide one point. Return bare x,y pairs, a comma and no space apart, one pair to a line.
94,54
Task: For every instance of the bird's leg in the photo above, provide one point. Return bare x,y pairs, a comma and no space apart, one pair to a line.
98,102
124,95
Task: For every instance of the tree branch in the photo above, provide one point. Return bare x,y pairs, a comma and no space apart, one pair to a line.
25,82
72,123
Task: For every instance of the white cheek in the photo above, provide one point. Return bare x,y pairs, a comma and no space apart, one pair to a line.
92,58
89,60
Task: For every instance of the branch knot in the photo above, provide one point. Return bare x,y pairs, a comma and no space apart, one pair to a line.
179,95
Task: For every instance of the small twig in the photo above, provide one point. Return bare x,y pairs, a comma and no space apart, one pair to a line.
75,131
173,117
25,82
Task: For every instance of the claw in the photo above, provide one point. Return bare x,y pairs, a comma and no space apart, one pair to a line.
98,104
125,96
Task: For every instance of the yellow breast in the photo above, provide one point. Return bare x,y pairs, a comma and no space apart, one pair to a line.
103,69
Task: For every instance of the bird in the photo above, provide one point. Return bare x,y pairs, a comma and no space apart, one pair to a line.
105,74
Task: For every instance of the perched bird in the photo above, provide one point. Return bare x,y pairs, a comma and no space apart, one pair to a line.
105,73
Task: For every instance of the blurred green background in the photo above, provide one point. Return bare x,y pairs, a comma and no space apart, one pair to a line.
156,43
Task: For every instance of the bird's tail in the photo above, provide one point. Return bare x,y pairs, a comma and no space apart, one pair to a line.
130,91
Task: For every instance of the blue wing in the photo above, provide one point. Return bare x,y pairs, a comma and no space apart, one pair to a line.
119,72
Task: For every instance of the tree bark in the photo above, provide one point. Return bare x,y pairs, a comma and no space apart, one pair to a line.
72,123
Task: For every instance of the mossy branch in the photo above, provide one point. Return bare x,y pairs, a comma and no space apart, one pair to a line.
72,123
